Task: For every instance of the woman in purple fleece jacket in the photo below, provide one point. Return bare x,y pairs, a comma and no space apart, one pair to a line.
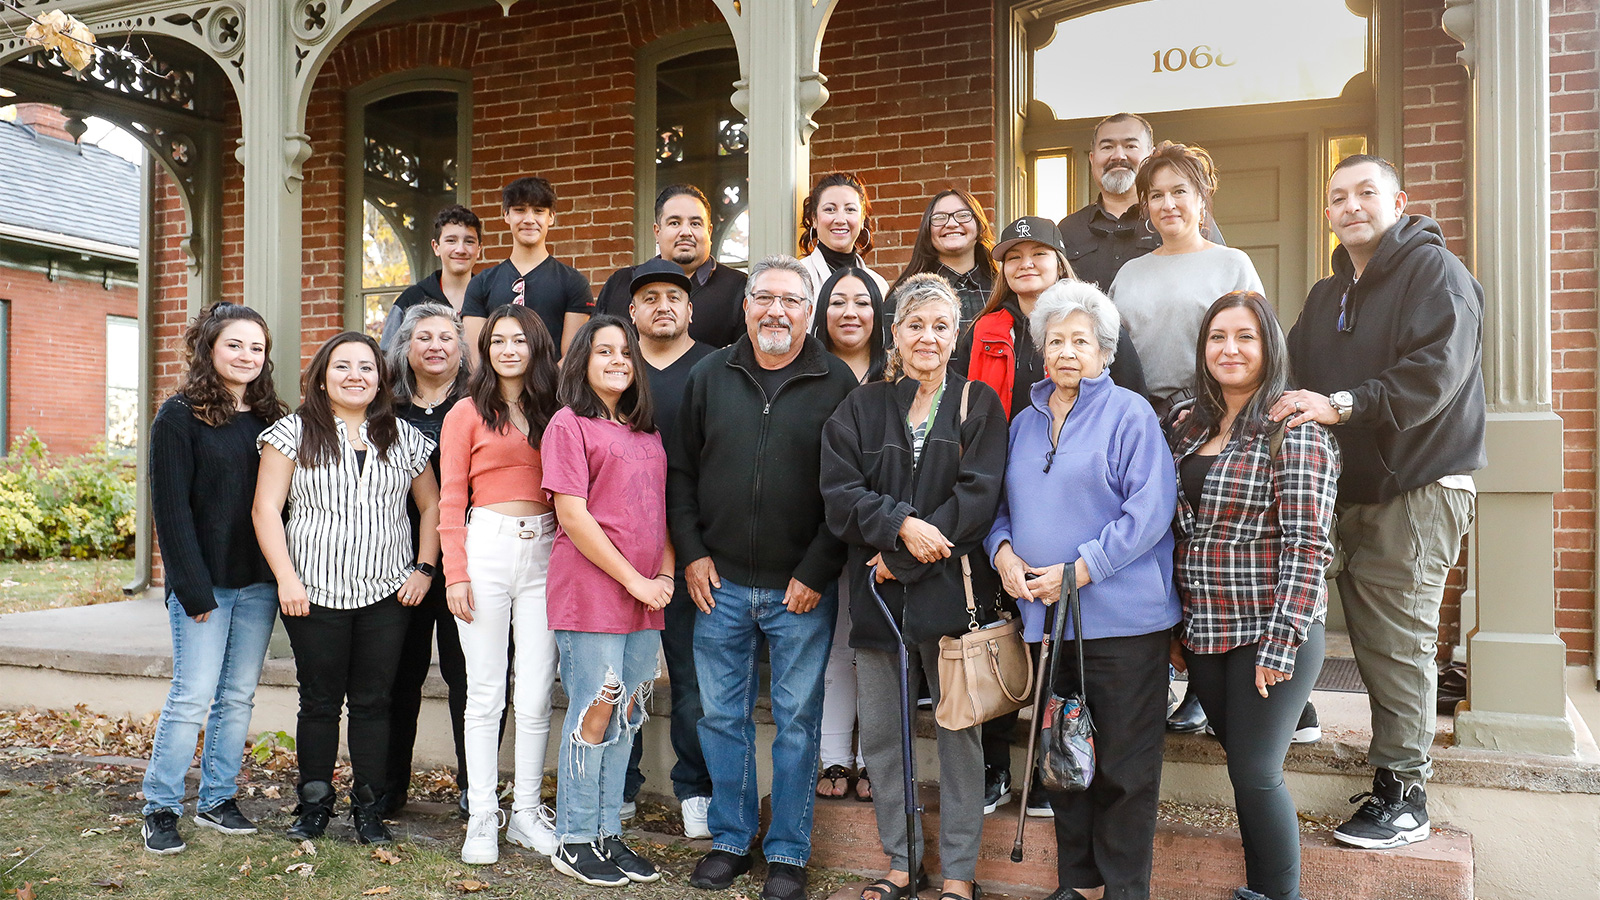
1090,491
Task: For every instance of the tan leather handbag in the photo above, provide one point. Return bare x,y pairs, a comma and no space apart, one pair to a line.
985,672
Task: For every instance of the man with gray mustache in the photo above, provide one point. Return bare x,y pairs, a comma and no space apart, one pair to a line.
747,518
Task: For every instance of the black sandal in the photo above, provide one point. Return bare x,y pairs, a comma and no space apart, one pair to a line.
834,774
888,890
863,779
977,894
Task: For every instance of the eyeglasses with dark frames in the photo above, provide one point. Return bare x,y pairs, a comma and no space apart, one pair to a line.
941,219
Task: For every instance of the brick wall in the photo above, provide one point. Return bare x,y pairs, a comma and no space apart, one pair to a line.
1574,123
57,361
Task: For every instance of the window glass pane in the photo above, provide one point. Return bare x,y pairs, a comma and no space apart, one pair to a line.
122,383
700,139
1163,55
1052,186
1339,147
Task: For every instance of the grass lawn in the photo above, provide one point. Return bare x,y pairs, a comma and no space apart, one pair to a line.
55,583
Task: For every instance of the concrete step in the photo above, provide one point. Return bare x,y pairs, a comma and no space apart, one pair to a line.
1197,856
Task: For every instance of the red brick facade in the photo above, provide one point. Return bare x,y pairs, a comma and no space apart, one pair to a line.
56,366
553,90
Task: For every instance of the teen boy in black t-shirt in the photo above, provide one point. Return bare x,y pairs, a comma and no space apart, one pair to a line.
458,242
531,277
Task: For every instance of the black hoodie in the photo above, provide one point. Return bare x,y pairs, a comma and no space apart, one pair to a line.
1411,356
742,482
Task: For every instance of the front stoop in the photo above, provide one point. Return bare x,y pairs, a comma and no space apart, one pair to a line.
1191,863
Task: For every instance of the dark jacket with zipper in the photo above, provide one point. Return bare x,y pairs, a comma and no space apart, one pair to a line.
742,476
871,484
1411,356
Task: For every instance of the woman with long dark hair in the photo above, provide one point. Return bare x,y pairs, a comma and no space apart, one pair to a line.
1254,523
430,374
954,242
221,601
345,565
611,575
498,530
836,228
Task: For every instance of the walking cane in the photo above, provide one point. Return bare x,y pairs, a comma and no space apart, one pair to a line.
1040,691
913,808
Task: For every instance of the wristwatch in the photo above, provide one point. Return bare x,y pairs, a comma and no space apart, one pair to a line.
427,569
1343,404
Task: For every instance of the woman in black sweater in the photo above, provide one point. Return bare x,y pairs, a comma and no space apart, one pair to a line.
221,598
912,470
430,376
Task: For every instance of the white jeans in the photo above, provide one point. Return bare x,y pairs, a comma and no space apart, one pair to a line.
839,692
507,561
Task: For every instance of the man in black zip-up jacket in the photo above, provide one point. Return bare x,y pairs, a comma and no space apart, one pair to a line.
1388,352
747,518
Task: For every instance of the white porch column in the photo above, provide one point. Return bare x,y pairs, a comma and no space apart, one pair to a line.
272,150
779,43
1516,700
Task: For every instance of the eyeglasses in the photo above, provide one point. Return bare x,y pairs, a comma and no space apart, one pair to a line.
518,289
940,219
791,302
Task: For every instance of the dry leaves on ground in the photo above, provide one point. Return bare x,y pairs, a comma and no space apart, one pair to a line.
387,857
78,731
380,889
470,886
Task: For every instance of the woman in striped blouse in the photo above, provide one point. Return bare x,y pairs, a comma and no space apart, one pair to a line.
1255,512
497,555
345,465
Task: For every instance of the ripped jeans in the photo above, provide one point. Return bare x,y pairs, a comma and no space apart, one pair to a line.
614,669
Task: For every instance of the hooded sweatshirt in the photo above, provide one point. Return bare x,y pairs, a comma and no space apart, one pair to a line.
1411,356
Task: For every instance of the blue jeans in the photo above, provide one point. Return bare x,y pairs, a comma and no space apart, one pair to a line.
620,670
215,666
726,641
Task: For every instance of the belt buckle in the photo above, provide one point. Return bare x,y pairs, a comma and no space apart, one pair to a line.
528,534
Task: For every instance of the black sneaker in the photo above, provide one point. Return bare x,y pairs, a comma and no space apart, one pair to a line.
996,789
161,833
588,863
1393,816
785,881
226,818
1308,730
718,869
637,868
1038,803
1189,717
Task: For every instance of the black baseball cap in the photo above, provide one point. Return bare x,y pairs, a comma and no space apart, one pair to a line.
1029,228
655,270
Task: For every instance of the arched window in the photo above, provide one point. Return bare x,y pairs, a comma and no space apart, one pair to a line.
408,145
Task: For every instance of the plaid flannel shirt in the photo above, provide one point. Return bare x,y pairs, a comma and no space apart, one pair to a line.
1251,560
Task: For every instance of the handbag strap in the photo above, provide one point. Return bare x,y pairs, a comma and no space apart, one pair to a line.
1057,634
1070,577
966,561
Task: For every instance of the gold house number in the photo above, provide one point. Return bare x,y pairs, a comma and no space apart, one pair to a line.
1177,59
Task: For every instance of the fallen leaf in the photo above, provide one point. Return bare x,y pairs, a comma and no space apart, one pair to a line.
271,792
387,857
304,870
26,892
470,886
91,832
110,884
308,848
382,889
245,869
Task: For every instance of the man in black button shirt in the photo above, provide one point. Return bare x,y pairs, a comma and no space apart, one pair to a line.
683,235
531,277
1110,231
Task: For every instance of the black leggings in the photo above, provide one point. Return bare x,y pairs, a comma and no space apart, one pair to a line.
1255,732
346,656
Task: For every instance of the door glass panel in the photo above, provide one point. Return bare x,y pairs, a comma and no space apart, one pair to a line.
1162,55
1052,185
702,140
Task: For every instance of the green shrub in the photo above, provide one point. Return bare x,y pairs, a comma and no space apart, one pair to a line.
80,507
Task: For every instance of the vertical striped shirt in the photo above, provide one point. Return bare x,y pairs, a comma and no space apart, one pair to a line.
348,535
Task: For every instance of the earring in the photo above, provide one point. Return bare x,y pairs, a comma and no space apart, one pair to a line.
1149,226
865,237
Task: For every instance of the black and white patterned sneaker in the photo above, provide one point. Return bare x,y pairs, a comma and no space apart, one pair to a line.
161,833
588,863
1309,729
1392,816
226,818
637,868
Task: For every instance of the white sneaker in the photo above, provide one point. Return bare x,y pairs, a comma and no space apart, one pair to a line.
482,845
629,810
534,828
695,811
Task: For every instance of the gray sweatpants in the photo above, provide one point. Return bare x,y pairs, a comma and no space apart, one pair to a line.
1397,557
960,763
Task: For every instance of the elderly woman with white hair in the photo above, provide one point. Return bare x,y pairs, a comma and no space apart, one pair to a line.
912,468
1090,493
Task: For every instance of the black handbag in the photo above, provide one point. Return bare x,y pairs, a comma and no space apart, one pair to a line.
1066,763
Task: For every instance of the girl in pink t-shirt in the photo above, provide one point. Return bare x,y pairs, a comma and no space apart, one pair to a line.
610,579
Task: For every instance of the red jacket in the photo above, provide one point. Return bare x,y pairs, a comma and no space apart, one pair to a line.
994,358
